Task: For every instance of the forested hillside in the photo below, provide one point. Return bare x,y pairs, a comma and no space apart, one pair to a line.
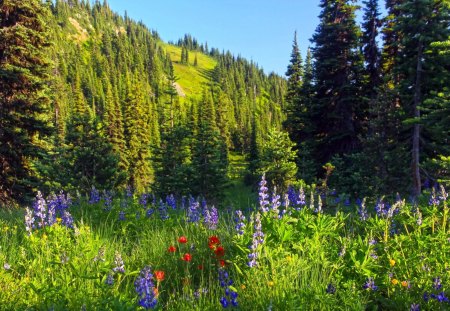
119,99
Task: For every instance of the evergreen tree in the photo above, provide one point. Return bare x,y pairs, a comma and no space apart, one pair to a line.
24,102
278,160
337,110
209,155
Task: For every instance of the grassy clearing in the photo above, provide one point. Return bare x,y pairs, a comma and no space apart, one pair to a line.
191,78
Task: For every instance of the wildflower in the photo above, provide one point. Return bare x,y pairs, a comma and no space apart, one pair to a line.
391,262
440,297
212,241
443,195
347,201
370,284
275,202
143,200
64,258
224,302
426,297
394,281
311,201
94,196
414,307
122,216
434,199
222,263
419,217
211,218
263,196
362,211
193,214
437,283
108,200
170,201
6,266
239,220
119,268
129,191
318,210
258,239
163,211
145,289
187,257
342,252
67,219
381,208
171,249
100,255
243,286
219,251
109,280
301,198
182,239
149,212
291,196
29,220
40,210
331,289
405,284
159,275
271,283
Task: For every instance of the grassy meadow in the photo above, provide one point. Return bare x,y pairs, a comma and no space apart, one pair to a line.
265,251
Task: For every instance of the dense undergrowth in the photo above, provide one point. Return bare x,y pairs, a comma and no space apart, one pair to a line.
299,251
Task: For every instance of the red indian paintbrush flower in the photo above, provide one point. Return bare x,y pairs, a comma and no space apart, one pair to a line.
182,239
159,275
187,257
171,249
219,251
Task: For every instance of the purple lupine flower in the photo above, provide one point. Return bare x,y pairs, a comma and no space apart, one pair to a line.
331,289
292,196
129,192
362,211
212,220
372,242
415,307
183,202
275,204
419,217
145,289
347,201
440,297
94,196
224,302
143,200
67,219
109,279
170,201
40,210
51,214
29,220
6,266
301,198
225,282
381,208
163,211
149,212
434,199
311,201
342,251
318,210
193,213
426,297
437,283
239,219
107,200
119,265
263,196
122,216
443,195
370,284
258,239
100,254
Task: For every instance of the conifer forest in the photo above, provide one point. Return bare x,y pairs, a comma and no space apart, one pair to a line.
142,174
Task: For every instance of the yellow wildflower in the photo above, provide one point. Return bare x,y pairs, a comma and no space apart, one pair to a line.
394,281
271,283
405,283
392,262
243,286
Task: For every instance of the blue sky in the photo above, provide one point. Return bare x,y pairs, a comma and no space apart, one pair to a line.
259,30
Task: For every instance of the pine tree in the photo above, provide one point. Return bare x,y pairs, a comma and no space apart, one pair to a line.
24,102
209,155
337,111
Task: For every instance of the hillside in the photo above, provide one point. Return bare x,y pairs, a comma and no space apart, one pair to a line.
192,79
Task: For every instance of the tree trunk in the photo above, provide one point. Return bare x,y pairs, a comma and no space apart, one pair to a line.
416,130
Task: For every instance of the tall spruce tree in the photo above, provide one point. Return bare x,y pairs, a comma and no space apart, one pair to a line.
337,109
209,155
24,102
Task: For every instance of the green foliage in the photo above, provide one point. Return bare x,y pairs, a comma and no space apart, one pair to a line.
277,159
24,103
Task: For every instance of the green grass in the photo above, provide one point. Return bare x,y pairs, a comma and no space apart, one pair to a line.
192,78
